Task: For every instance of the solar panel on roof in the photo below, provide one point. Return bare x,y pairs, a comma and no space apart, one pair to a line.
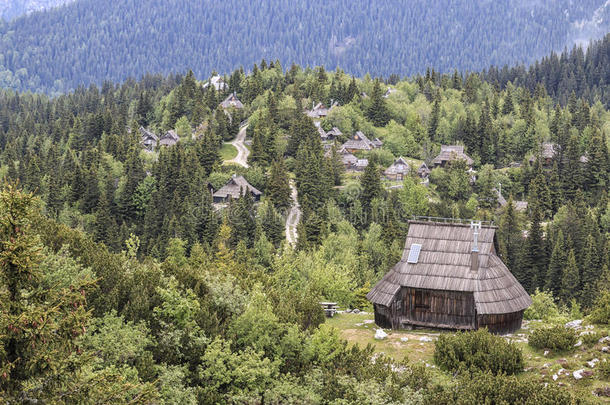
414,253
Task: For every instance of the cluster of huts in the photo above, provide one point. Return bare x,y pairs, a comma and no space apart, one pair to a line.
150,140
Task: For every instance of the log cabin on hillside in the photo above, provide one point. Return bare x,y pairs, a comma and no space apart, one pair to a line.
236,187
449,277
450,153
398,170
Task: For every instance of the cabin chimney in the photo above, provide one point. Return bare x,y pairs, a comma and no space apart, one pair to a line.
474,254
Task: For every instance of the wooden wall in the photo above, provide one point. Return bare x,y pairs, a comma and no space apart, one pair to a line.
501,323
442,309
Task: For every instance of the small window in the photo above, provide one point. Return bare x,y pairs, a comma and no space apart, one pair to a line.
414,253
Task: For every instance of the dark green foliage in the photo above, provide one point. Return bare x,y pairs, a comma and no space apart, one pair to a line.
556,338
486,388
371,187
56,61
601,311
478,350
278,185
377,111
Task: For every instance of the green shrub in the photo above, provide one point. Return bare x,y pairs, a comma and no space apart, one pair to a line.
478,350
601,310
543,306
603,369
485,388
591,338
557,338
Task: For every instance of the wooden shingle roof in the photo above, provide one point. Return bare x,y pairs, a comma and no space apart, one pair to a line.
235,187
444,263
452,152
400,166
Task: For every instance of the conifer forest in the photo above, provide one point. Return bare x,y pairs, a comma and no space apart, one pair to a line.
208,233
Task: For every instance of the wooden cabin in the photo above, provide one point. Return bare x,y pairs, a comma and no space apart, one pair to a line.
450,153
235,188
359,142
398,171
232,102
450,277
170,138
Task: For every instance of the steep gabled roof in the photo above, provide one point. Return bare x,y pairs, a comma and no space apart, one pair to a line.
400,166
361,142
235,188
444,263
452,152
231,101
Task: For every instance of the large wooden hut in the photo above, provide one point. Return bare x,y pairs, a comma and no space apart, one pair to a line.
450,277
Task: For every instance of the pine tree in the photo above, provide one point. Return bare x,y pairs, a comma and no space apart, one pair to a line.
510,237
535,259
570,279
370,184
271,223
590,271
508,107
378,111
434,118
278,186
208,152
557,264
572,170
241,218
352,90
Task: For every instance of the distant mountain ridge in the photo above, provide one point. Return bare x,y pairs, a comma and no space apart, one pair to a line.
90,41
10,9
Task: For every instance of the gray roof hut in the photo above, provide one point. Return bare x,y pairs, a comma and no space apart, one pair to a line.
423,171
360,142
232,102
217,82
234,189
450,277
148,139
170,138
450,153
399,169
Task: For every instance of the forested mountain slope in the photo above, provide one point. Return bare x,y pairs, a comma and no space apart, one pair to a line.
10,9
91,41
123,280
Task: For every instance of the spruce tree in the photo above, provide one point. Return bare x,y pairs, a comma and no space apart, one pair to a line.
535,259
570,279
278,186
556,264
590,271
510,238
352,90
370,184
378,111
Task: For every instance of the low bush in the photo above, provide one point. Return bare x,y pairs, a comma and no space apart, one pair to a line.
603,369
478,350
601,310
485,388
591,338
543,306
556,338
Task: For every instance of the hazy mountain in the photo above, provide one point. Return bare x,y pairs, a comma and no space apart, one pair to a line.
14,8
91,40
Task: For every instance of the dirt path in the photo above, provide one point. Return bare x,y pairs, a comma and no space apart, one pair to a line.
294,217
242,150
